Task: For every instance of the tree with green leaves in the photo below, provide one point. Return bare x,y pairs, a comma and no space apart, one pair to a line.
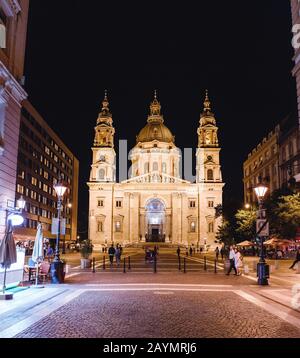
245,224
288,215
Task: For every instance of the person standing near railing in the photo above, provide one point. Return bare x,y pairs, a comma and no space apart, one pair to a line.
111,253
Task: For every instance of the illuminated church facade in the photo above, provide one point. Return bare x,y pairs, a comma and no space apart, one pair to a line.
155,204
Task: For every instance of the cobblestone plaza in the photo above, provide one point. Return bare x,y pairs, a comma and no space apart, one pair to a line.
142,304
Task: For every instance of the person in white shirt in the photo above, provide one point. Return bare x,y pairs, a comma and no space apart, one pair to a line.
238,261
232,261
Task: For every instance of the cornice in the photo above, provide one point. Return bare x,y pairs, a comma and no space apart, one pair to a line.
9,87
11,7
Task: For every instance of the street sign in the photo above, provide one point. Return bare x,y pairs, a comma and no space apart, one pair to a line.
259,224
261,214
54,226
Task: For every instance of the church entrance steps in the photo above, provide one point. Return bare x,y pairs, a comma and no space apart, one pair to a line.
167,261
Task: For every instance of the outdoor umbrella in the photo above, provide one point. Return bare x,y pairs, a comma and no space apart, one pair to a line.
246,243
38,250
8,251
278,242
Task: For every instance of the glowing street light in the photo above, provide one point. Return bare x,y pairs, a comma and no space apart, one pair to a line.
262,267
260,191
57,266
21,203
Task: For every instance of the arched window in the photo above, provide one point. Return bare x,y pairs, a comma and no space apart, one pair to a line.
210,174
164,168
101,174
146,168
155,166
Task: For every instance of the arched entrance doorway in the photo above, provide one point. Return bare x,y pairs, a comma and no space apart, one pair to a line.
155,221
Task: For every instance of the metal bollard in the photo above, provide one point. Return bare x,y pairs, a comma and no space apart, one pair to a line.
94,265
184,265
205,267
129,263
155,265
215,266
103,263
124,268
179,263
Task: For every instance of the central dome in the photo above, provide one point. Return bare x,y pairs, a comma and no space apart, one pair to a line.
155,131
155,128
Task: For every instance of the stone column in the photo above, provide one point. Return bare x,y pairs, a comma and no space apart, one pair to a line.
142,227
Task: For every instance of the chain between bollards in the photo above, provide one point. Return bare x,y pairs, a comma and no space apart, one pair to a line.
94,265
103,263
184,265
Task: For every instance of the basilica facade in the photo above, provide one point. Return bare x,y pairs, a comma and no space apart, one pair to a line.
155,204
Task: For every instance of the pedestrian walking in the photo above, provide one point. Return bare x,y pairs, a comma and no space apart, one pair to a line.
191,251
222,253
217,253
238,263
232,261
111,253
118,255
296,260
178,252
187,252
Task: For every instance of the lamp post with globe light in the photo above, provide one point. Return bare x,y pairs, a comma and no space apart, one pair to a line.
262,267
57,266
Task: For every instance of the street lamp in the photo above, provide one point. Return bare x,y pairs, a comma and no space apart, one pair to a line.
21,203
57,267
247,206
262,267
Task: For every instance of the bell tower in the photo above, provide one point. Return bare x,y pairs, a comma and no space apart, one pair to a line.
208,153
104,155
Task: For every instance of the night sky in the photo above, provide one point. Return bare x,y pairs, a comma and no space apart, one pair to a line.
241,51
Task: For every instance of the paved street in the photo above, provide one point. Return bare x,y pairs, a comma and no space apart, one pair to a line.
160,314
140,303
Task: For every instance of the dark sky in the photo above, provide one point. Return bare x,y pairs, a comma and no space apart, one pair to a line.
241,51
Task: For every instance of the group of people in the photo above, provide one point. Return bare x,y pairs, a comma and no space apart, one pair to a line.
236,261
151,255
115,252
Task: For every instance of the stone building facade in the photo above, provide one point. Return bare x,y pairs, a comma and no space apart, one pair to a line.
155,204
262,164
13,23
43,159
